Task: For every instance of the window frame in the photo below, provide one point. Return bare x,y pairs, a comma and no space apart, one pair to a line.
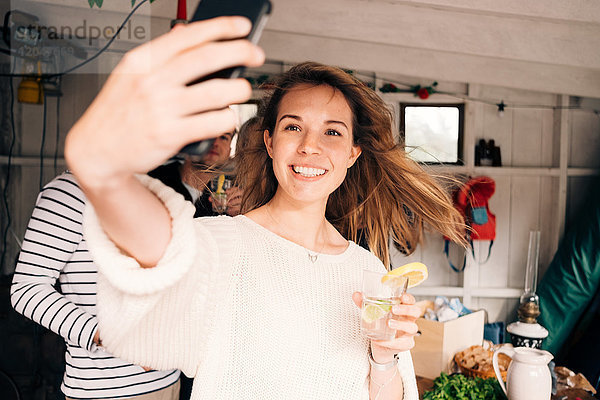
461,129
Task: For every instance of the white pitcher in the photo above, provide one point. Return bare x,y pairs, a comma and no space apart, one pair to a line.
528,376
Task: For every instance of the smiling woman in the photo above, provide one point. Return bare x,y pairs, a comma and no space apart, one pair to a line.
322,115
312,142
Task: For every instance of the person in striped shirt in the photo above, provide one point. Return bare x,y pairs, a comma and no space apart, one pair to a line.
54,250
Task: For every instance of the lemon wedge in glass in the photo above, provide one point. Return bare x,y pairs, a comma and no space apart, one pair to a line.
372,312
220,182
416,273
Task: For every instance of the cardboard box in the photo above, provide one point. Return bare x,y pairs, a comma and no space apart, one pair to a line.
440,341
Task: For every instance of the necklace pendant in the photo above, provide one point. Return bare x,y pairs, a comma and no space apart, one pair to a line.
313,257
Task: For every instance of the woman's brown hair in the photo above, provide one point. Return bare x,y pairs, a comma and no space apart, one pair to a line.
384,192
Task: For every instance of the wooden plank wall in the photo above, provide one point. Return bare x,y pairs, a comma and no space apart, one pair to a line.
522,202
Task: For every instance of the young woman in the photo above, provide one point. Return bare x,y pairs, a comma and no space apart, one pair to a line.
259,306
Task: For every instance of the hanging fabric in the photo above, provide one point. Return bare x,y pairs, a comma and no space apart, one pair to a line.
472,201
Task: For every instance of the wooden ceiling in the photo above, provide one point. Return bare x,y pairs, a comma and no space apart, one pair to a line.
543,45
550,46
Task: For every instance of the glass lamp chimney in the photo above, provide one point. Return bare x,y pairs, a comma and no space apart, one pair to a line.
529,309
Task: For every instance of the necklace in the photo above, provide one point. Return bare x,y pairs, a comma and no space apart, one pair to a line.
311,257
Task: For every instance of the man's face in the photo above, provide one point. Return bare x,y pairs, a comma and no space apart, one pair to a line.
219,152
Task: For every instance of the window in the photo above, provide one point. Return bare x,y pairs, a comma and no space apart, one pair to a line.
433,133
245,111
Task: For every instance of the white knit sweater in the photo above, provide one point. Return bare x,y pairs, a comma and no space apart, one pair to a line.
243,310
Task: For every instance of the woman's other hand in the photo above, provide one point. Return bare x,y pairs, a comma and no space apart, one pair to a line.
146,112
405,315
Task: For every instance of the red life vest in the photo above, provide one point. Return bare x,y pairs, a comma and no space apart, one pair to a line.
472,201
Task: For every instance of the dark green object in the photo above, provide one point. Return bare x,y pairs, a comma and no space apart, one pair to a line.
572,278
100,2
461,387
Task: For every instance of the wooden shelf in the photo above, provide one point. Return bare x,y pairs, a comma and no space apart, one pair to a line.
32,161
497,171
511,171
451,291
457,291
583,171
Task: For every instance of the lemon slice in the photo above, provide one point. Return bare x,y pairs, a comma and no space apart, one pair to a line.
372,312
394,281
220,183
416,273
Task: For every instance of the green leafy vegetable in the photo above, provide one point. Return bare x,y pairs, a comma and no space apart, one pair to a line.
461,387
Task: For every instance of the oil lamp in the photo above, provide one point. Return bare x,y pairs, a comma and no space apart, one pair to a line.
526,332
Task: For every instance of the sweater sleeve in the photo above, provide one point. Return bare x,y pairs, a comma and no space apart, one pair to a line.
156,317
52,236
407,372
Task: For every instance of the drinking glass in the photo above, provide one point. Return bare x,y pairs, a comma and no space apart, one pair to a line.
378,299
219,199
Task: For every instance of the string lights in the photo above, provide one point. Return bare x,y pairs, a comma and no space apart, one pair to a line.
502,106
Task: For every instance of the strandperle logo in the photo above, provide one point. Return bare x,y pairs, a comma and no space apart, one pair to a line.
99,3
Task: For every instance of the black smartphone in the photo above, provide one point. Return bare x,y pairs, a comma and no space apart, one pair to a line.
257,11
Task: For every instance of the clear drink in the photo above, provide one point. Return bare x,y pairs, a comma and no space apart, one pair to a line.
218,187
380,293
219,202
375,314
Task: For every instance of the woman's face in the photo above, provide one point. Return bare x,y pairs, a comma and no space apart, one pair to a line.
312,145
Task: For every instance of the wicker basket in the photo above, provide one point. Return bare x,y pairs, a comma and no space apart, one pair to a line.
476,361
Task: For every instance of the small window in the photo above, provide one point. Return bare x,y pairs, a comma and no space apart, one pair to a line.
433,133
245,111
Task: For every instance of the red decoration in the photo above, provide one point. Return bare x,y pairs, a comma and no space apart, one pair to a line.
422,91
181,9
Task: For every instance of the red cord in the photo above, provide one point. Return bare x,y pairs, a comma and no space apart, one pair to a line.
181,9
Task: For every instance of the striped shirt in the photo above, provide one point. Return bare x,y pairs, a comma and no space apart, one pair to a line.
54,248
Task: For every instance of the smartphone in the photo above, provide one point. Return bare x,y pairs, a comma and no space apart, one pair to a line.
257,11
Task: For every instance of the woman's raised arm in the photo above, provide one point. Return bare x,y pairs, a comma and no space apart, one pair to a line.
145,113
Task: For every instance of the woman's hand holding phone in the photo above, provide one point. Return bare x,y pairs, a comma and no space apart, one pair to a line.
146,112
